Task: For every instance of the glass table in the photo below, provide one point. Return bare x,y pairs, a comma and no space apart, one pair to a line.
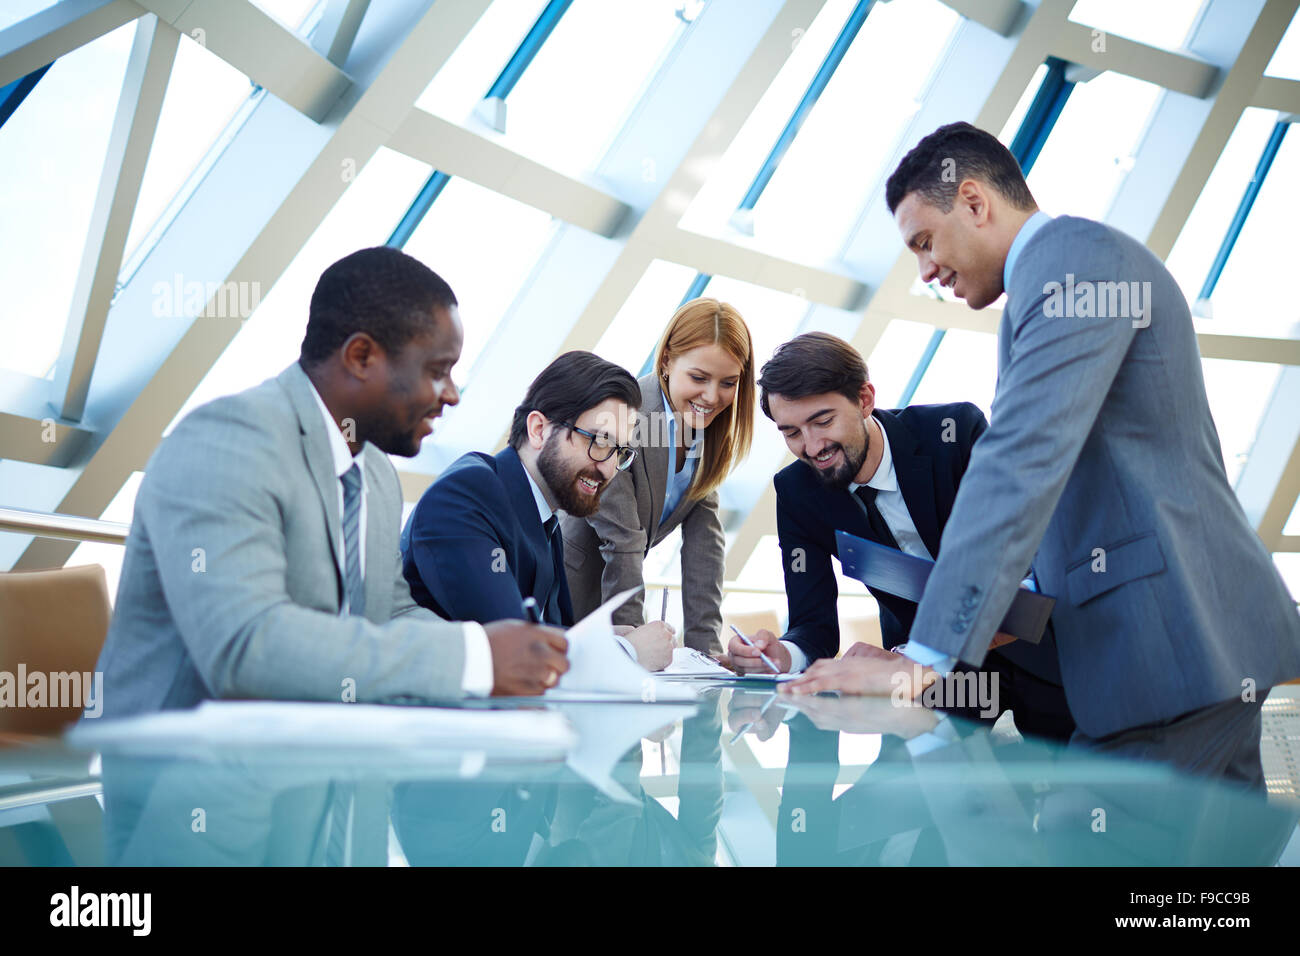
744,776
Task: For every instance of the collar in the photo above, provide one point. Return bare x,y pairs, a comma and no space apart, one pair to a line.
339,451
884,479
1035,222
544,511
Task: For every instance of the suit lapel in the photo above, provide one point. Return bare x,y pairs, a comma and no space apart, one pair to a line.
542,575
316,451
652,441
915,474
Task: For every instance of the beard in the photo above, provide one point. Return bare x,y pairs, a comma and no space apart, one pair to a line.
561,478
842,475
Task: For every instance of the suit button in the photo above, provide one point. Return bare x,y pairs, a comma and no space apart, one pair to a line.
969,602
960,625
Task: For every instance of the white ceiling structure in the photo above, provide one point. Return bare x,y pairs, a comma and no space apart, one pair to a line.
171,188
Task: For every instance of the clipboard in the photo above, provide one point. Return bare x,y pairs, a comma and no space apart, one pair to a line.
904,576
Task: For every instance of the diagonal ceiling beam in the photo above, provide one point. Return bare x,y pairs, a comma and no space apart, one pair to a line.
129,144
41,39
261,48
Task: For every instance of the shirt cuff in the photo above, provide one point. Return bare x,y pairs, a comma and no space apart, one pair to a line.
929,657
476,681
627,646
798,659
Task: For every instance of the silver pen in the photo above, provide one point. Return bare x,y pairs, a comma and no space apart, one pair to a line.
766,660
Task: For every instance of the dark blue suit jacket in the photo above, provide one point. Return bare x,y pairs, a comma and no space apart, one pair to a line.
474,547
808,513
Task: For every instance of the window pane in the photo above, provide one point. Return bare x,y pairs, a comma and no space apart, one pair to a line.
894,359
1161,23
1238,392
470,71
52,153
203,94
271,338
1199,242
813,202
738,166
1249,296
636,328
485,245
15,11
964,369
1293,523
1090,149
586,78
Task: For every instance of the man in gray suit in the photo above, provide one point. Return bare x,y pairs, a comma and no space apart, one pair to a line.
1102,467
263,557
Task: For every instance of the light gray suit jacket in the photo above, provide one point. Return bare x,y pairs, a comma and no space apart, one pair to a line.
1102,467
603,554
231,586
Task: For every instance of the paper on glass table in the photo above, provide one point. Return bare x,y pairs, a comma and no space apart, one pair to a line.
689,663
599,668
263,724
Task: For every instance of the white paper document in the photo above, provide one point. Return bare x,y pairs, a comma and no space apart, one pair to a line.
373,727
689,663
599,668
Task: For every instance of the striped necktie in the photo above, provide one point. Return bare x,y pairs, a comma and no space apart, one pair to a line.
354,586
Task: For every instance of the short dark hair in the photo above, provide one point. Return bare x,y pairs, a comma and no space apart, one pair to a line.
812,364
381,291
573,383
938,164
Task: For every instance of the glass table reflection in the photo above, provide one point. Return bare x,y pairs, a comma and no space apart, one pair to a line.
743,777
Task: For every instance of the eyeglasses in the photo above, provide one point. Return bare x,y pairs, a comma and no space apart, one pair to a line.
600,448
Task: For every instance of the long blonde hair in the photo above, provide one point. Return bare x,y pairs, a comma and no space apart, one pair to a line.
726,440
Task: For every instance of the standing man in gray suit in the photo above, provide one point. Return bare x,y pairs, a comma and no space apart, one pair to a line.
263,557
1102,467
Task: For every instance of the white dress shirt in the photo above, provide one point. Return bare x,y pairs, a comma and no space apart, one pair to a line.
893,508
476,679
545,511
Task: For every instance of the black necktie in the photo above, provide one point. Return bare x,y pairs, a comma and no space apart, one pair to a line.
551,614
867,495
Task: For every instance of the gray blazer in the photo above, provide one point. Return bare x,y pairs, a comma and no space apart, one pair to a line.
603,554
1102,466
231,586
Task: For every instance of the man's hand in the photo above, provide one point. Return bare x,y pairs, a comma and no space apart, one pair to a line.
746,708
746,659
870,675
862,649
654,643
526,658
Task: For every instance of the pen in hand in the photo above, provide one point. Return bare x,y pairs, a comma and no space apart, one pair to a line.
766,660
530,608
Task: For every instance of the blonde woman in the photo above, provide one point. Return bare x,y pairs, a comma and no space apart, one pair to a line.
695,423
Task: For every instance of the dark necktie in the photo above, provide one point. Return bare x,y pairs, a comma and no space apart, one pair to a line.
867,495
551,612
354,586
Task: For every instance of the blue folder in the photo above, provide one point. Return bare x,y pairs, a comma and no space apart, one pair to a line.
904,576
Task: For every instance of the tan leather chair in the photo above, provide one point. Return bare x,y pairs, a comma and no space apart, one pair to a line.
51,623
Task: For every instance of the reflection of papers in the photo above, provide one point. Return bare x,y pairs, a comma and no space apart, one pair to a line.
607,732
331,726
599,668
689,663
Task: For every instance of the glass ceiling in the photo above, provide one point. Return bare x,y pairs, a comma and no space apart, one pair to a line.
578,96
52,153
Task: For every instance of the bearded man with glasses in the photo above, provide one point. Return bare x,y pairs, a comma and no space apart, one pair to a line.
485,537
